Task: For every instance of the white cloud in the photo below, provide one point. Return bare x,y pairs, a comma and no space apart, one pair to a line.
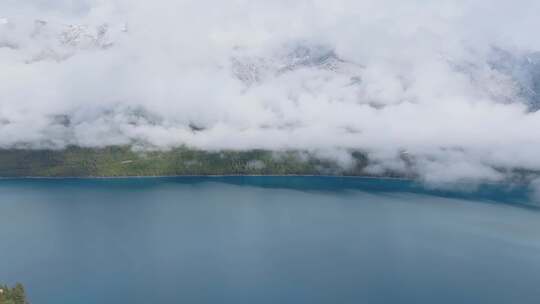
381,76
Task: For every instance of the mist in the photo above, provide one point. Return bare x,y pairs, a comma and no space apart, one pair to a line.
452,85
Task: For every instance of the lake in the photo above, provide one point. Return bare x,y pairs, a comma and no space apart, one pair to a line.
267,240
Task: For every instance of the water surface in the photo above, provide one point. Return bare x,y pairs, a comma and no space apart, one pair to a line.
267,240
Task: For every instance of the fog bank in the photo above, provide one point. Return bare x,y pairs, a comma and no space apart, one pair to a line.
452,85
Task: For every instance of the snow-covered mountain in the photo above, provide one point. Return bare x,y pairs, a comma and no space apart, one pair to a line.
252,69
45,40
524,69
41,40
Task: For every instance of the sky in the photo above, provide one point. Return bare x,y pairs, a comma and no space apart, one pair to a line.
451,84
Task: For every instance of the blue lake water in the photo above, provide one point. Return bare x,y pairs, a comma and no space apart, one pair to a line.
267,240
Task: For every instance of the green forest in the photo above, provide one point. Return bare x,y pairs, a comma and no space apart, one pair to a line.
125,161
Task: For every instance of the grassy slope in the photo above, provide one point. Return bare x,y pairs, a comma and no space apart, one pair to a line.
123,161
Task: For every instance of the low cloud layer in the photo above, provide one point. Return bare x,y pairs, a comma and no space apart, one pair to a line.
452,85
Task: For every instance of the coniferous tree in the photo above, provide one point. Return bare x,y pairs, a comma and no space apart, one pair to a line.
19,295
14,295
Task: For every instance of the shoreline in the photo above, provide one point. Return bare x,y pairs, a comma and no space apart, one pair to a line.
210,176
206,175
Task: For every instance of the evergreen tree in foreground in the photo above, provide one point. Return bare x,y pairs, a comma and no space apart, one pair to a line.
15,295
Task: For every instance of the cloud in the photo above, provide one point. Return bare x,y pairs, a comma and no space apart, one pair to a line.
453,83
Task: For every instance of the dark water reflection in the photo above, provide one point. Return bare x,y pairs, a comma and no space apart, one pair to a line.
267,240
